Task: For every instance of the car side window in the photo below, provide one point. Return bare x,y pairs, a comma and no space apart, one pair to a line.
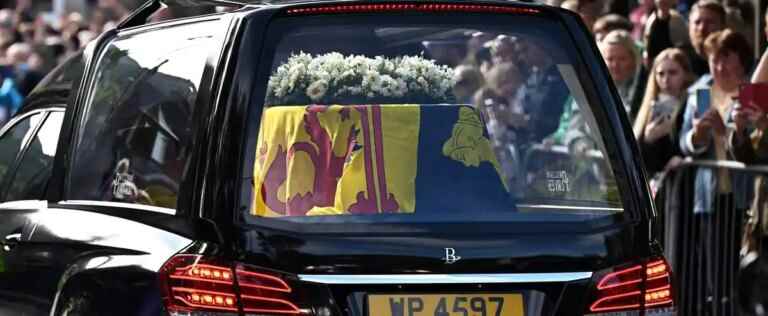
34,170
13,140
134,135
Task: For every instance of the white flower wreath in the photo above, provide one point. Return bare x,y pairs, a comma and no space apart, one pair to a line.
337,79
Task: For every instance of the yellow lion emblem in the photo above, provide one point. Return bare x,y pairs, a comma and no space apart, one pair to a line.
467,143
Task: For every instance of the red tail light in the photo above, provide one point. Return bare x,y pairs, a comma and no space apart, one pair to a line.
193,283
638,287
414,7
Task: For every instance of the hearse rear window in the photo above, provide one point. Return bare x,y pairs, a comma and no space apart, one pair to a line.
486,120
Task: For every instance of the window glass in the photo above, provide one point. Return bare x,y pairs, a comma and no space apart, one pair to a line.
13,140
417,121
31,177
137,121
63,76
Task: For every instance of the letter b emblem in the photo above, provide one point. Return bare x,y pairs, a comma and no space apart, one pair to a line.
450,256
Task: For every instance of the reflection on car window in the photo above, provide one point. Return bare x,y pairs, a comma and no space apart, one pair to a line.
12,141
31,177
63,76
137,123
485,117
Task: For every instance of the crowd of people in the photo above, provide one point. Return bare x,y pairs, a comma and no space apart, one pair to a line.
683,92
664,57
35,37
33,41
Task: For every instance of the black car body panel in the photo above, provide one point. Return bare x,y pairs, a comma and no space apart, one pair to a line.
71,256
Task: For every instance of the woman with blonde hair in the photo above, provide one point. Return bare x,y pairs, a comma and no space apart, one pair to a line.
622,57
660,116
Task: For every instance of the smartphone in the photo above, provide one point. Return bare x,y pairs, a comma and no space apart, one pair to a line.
754,95
703,99
663,107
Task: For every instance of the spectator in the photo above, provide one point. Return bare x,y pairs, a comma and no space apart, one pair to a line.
10,98
639,16
612,22
18,56
468,80
7,33
739,16
483,58
496,102
475,44
665,28
609,22
623,60
71,26
707,17
502,83
543,95
504,49
24,11
749,141
504,122
660,117
115,9
97,21
704,135
588,10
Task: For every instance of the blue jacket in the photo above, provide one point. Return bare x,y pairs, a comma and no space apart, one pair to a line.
10,98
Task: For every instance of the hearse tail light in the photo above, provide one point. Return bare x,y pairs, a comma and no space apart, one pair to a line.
408,7
262,293
642,287
193,283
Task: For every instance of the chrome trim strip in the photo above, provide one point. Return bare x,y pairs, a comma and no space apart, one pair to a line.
444,278
13,121
142,207
567,207
24,205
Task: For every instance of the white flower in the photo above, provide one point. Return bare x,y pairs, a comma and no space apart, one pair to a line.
402,88
317,89
423,82
324,77
387,86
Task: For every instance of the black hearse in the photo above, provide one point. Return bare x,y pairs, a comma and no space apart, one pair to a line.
334,158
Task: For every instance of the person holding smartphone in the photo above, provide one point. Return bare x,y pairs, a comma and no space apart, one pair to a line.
749,141
704,133
660,116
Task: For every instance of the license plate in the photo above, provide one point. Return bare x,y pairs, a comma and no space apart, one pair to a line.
445,305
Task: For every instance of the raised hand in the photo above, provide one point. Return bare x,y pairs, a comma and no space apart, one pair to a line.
658,128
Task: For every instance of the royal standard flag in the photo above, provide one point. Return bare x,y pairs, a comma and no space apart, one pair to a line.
368,159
